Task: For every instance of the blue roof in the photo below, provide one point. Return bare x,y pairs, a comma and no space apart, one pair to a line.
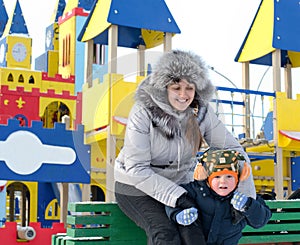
60,9
3,17
86,4
287,25
17,22
146,14
275,26
139,22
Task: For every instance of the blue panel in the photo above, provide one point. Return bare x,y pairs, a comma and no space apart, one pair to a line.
45,196
3,17
295,169
146,14
267,127
78,171
3,63
41,62
286,25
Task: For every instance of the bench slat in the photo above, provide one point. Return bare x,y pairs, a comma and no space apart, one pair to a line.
273,204
122,220
265,239
115,233
94,207
273,228
285,216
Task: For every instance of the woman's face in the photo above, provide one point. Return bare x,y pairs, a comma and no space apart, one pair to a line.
181,94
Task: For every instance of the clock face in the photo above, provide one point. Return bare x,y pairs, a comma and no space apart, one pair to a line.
2,52
19,52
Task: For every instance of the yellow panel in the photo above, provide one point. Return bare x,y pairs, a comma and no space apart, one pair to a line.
98,22
285,107
16,73
53,64
285,121
95,102
263,172
259,40
122,101
11,62
56,36
294,58
67,31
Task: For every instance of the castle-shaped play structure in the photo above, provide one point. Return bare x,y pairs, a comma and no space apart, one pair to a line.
63,122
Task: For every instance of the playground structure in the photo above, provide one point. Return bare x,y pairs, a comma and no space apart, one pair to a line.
75,81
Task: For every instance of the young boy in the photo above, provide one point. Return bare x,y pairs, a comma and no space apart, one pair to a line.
222,211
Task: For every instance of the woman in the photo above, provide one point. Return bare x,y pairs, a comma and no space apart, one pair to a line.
163,133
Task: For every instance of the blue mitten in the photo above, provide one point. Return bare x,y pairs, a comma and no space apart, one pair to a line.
239,200
187,216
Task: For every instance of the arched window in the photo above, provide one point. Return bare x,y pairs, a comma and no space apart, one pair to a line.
21,79
10,78
31,80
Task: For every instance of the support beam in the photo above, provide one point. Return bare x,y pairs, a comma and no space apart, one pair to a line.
246,108
278,169
88,69
112,48
288,81
141,60
64,198
276,64
111,141
167,42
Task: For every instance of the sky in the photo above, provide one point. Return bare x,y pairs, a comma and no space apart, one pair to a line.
213,29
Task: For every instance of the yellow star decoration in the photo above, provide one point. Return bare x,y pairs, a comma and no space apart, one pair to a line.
6,102
20,102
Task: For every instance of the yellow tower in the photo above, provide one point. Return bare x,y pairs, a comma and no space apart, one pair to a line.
15,50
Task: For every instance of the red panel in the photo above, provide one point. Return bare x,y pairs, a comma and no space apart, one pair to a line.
8,233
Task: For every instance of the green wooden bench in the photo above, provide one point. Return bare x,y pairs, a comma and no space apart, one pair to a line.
283,227
95,223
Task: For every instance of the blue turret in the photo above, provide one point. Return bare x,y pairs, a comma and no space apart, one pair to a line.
3,17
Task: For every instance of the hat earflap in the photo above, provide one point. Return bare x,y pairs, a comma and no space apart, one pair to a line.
200,172
245,173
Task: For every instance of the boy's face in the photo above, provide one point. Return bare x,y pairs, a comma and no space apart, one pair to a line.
223,184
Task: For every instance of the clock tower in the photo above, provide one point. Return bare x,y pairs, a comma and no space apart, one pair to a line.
15,44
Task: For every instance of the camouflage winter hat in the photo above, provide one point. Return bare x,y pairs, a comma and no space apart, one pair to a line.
221,162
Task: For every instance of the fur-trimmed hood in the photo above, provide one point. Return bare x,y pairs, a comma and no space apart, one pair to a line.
152,92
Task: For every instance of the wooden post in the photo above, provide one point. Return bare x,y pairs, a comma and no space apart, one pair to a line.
64,198
86,192
89,52
288,80
278,169
246,108
167,41
141,60
111,141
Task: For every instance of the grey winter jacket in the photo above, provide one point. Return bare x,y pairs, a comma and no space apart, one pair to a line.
156,157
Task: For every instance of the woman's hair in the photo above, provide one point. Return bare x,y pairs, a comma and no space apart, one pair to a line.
193,133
